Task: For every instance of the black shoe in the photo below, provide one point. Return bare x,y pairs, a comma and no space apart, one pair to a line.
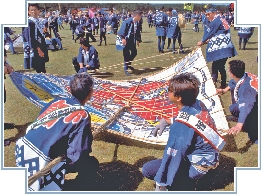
131,67
94,40
9,126
161,51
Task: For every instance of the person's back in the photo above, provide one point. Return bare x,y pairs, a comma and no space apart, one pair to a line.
161,19
63,128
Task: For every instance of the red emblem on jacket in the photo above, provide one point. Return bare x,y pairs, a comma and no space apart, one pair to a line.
73,117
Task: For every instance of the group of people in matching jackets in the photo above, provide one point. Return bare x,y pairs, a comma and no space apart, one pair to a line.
188,153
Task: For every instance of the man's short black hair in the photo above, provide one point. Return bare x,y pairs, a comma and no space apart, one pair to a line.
33,5
85,42
170,9
237,68
186,86
81,85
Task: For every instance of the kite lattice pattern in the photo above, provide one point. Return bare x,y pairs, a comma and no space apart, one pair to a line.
147,98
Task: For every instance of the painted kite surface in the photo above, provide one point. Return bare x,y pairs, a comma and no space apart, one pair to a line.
147,97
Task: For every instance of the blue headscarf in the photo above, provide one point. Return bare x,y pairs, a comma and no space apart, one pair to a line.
174,12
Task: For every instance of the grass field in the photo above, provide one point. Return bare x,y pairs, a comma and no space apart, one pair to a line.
120,158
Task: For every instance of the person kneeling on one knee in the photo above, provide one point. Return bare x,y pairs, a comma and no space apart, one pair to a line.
87,58
190,151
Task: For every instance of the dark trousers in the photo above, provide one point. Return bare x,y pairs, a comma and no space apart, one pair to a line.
173,43
90,35
76,65
95,30
80,35
86,166
73,33
39,64
102,36
129,53
196,28
181,182
219,65
55,31
251,122
161,42
244,40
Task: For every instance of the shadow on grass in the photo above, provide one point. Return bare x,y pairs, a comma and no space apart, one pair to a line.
102,74
218,178
250,49
112,176
148,41
122,176
231,145
21,130
146,70
251,43
26,70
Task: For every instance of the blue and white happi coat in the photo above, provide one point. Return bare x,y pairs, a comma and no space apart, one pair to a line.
245,93
69,134
184,142
173,29
245,32
219,40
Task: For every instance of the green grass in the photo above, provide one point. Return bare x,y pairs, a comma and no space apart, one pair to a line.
121,158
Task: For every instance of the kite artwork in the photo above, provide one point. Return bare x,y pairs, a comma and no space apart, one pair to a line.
147,98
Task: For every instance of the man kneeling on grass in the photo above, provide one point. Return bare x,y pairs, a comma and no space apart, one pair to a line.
87,58
244,96
193,144
63,128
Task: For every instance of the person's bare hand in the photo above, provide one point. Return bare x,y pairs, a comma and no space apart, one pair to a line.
40,52
236,129
200,43
124,41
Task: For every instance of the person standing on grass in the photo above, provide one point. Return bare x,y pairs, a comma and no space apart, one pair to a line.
63,128
161,22
195,19
244,33
169,16
130,34
244,96
35,36
74,22
219,45
113,22
150,19
88,27
95,23
102,27
174,31
193,143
